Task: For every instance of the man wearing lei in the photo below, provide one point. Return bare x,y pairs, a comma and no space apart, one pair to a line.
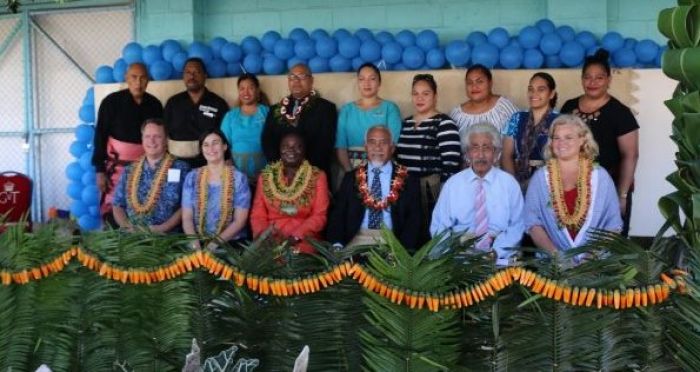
482,201
358,212
148,192
291,197
304,112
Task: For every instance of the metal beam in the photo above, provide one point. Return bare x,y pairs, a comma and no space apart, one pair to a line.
60,49
8,40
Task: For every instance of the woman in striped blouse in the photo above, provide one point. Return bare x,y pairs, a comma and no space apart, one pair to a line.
429,144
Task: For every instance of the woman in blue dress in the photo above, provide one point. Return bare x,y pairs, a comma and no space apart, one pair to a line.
358,116
527,131
243,125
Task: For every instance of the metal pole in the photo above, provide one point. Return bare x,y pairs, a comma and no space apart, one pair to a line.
29,145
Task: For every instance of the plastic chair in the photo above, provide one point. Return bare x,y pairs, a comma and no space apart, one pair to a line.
15,200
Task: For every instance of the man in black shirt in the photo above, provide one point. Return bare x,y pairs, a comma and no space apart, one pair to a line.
305,112
190,113
118,132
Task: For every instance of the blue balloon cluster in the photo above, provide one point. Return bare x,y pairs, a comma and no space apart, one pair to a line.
82,187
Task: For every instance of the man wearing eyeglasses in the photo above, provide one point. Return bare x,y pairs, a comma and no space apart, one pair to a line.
305,112
482,202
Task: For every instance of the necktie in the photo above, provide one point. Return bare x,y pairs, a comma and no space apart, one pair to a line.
481,218
375,216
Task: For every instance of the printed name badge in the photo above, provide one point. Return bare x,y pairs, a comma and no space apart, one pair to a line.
173,175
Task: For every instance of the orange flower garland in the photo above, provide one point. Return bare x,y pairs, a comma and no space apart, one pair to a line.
396,186
583,193
227,191
132,184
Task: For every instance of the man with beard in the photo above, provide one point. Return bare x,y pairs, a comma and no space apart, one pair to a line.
376,193
190,113
482,202
118,133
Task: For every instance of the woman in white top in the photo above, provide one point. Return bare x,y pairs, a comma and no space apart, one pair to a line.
483,105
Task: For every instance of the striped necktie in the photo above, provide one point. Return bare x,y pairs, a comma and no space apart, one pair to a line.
375,216
481,218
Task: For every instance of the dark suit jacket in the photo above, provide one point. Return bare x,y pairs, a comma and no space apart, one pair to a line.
348,211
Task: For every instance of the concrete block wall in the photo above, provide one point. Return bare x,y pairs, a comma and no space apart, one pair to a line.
189,20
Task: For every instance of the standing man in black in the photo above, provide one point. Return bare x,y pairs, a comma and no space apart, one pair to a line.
118,132
305,112
190,113
377,192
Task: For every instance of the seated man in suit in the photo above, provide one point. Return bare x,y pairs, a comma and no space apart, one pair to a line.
378,192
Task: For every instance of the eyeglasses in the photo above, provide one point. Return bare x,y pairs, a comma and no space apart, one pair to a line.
298,77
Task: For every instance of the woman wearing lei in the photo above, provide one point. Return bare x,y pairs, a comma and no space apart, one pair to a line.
215,197
292,197
570,195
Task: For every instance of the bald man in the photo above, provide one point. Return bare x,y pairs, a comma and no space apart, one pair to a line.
118,133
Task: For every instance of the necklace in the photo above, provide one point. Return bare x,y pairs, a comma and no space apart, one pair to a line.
396,186
583,193
226,207
290,113
293,196
132,184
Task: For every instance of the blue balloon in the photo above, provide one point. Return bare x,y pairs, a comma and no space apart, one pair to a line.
84,132
104,75
161,70
200,50
384,37
284,49
169,48
305,48
552,61
550,44
391,52
612,41
514,43
89,98
399,67
406,38
273,65
624,57
74,190
74,171
435,58
86,161
370,50
77,207
298,34
318,65
349,47
630,43
485,54
364,34
499,37
458,53
646,51
566,33
252,63
77,148
318,34
233,69
532,59
152,54
90,195
231,53
296,61
572,54
179,60
586,39
216,44
659,56
119,70
88,178
356,63
413,57
477,38
339,63
545,25
341,33
592,50
87,113
216,68
269,39
326,47
94,211
132,53
88,222
511,57
529,37
427,40
251,45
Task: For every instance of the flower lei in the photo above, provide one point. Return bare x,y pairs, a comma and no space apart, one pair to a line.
283,109
396,186
298,192
132,184
583,189
227,190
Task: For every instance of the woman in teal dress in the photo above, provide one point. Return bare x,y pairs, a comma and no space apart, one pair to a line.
358,116
243,125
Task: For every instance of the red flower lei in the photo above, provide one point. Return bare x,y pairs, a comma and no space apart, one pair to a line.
396,186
